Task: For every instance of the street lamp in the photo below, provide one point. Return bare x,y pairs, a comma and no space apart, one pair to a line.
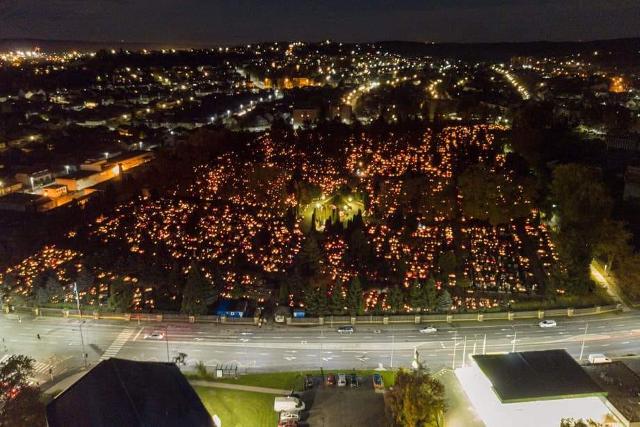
84,355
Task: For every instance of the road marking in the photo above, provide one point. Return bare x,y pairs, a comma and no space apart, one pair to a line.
117,344
138,334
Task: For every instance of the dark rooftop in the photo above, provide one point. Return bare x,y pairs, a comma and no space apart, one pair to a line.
536,375
622,386
119,392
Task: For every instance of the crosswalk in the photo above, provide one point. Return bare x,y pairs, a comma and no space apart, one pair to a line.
38,367
117,344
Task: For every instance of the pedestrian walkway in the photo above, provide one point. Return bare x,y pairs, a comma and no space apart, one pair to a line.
254,389
117,344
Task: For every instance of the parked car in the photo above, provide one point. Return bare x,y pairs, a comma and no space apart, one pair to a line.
308,382
342,380
155,335
377,381
597,358
286,416
288,423
548,323
331,379
288,404
353,381
346,329
428,330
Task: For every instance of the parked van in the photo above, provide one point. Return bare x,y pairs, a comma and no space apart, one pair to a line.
596,358
288,404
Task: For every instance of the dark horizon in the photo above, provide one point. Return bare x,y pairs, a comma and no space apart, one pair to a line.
198,23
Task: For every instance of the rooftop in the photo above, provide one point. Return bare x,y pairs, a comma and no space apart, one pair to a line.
536,375
622,386
119,392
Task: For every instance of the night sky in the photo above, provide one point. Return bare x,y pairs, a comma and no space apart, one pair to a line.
240,21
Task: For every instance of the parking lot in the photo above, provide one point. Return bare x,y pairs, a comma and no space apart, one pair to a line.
330,405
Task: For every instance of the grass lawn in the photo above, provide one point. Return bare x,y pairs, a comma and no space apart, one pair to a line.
239,408
292,380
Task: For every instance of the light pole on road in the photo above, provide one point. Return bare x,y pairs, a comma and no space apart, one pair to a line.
84,354
584,338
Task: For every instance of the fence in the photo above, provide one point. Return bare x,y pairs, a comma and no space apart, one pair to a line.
328,320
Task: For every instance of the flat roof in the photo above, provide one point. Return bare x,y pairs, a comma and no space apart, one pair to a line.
536,375
622,386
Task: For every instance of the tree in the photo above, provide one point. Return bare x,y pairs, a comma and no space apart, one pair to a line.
415,296
444,301
429,295
583,206
308,260
494,196
120,295
416,400
336,300
354,297
20,403
395,299
447,262
571,422
612,243
194,292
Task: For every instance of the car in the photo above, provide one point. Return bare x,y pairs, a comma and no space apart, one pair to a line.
377,331
346,329
288,423
155,335
308,382
342,380
286,416
353,381
378,383
427,330
597,358
548,323
331,380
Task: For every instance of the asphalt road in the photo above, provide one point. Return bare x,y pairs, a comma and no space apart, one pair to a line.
279,347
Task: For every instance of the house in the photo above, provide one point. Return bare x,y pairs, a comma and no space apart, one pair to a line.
532,388
118,392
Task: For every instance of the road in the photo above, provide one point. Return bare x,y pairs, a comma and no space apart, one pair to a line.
281,347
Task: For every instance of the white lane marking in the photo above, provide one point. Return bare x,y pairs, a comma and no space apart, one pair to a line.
138,334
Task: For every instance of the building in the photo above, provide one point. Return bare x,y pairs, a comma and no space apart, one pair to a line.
9,186
302,116
119,392
35,179
623,390
531,389
232,308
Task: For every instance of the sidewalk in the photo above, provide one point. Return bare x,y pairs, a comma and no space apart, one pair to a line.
65,383
214,384
600,276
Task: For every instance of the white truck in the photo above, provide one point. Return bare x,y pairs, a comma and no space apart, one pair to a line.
597,358
288,404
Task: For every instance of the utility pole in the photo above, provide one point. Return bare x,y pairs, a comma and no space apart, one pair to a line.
464,351
455,344
484,345
166,338
84,354
515,337
584,338
393,341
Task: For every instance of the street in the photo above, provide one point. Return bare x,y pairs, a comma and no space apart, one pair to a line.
298,348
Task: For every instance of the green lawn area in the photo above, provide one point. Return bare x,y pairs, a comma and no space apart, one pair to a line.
239,408
292,380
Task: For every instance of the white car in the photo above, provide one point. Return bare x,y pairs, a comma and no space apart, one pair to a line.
342,380
346,329
155,335
286,416
548,324
428,330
